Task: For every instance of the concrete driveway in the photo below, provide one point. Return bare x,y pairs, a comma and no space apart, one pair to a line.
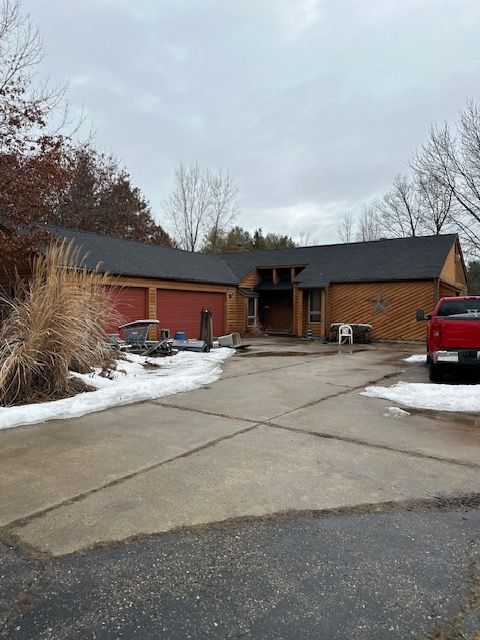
283,430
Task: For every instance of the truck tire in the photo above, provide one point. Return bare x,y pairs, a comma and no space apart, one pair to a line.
435,372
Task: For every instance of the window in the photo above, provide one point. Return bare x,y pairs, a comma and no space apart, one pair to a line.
252,312
460,307
314,306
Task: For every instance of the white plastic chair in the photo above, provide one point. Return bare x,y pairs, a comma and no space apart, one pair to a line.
345,334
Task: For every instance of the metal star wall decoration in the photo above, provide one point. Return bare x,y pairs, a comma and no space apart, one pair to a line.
379,303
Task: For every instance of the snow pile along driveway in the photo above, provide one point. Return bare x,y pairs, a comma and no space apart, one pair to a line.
441,397
416,359
132,382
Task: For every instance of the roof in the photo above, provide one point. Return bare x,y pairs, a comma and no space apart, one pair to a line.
130,258
419,258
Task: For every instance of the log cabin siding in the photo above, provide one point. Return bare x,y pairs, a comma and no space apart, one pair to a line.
236,313
298,313
251,280
453,271
355,303
317,328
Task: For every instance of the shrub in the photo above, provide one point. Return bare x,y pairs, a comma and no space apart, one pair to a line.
55,325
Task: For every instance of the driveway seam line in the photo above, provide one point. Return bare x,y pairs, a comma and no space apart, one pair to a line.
166,405
336,395
255,373
365,443
345,390
19,522
295,364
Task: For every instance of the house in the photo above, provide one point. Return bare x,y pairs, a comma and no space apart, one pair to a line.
285,291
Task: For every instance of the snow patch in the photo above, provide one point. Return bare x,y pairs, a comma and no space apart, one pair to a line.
420,395
131,382
395,412
417,358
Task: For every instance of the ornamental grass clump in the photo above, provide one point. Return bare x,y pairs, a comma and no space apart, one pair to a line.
55,325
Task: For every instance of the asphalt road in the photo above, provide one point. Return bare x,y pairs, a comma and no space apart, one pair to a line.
405,571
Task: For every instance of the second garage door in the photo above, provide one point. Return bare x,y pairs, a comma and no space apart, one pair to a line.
130,304
180,311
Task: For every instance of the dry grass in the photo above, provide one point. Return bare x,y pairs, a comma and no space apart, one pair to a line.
55,325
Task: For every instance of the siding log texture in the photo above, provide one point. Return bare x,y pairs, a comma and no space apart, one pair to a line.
355,303
453,271
236,312
252,280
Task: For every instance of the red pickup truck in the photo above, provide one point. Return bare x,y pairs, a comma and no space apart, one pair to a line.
453,334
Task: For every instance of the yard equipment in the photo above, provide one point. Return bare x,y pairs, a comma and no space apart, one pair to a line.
206,327
231,340
191,345
136,340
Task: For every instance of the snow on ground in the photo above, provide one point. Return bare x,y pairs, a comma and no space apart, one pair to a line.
441,397
417,358
395,412
131,383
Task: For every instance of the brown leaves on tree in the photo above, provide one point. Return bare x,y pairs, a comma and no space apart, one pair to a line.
45,178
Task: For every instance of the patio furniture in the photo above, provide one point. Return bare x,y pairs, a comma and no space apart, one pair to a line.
361,332
345,334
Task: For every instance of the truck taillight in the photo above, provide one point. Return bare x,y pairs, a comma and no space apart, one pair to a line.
436,333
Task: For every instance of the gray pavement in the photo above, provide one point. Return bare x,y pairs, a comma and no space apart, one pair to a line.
373,575
283,432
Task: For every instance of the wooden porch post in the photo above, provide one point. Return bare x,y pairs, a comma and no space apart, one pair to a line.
152,311
323,309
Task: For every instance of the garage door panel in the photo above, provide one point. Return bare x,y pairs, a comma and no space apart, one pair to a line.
130,304
180,310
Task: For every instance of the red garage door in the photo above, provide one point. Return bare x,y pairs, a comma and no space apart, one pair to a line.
180,311
130,304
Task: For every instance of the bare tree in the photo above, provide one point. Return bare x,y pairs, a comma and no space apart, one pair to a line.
399,212
453,162
223,207
305,239
188,207
368,227
436,202
201,206
346,228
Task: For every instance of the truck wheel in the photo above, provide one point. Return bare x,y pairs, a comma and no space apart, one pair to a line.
435,372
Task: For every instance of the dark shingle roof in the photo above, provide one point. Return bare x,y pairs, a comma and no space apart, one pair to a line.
380,260
127,257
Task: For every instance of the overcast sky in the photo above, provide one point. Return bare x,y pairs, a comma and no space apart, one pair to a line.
312,105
